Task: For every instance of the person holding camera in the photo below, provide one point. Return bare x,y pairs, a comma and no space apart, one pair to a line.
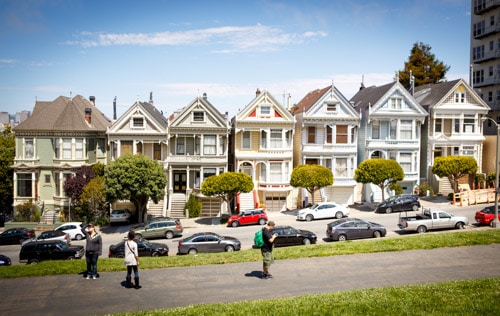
267,249
93,250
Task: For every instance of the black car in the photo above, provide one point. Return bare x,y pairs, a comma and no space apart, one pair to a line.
289,236
353,228
399,203
5,261
144,247
207,242
16,235
36,251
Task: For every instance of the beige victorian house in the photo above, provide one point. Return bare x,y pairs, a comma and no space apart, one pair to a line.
326,134
59,137
198,148
262,138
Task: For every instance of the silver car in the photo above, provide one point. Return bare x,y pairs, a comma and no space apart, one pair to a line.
207,242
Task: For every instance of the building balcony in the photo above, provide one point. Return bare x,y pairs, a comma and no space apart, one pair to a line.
483,6
329,148
261,154
487,57
487,82
392,144
198,159
487,31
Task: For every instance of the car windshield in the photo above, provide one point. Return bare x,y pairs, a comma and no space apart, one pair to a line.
145,242
488,211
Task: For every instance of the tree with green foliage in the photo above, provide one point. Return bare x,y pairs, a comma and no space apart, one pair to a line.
454,167
136,178
94,197
227,185
424,67
193,205
311,177
7,153
381,172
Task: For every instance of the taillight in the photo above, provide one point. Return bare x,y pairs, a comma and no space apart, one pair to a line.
178,226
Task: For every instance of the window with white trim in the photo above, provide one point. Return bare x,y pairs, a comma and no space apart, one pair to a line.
438,125
209,145
66,148
469,123
405,162
263,172
137,122
79,148
311,134
468,151
341,134
198,116
263,139
275,172
393,126
375,129
276,138
329,134
245,140
265,110
180,146
396,103
405,129
24,185
29,148
341,168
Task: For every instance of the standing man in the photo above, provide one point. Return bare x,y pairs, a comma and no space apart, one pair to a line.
132,260
93,250
267,249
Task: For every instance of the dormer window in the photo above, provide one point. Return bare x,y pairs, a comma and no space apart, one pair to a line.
138,122
459,97
198,116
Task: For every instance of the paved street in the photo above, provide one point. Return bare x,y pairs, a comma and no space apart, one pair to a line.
165,288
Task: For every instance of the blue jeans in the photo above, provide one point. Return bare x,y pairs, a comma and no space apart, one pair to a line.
129,271
91,263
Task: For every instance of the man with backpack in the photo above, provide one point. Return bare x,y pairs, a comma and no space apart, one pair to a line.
267,249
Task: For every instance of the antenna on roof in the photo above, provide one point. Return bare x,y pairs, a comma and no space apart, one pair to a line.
70,95
331,91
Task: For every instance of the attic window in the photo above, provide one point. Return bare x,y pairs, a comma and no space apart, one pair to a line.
396,103
138,122
265,110
198,116
331,107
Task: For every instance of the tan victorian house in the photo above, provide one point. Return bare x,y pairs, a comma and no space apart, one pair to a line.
326,134
198,148
59,137
262,138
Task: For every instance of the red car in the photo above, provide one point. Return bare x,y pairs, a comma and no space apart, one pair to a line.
248,217
486,216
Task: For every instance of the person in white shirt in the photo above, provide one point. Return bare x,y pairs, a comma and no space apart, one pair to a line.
132,260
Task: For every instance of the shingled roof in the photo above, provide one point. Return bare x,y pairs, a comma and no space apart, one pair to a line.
369,96
64,114
309,100
431,94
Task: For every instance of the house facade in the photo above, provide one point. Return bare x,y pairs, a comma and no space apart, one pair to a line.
142,129
454,127
59,137
326,134
262,141
390,128
198,138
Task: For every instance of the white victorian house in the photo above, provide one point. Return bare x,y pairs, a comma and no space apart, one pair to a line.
142,129
198,148
390,128
262,139
454,127
326,134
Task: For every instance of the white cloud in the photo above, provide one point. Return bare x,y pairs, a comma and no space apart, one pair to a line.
7,61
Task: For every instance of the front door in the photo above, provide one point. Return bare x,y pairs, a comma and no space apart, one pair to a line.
180,179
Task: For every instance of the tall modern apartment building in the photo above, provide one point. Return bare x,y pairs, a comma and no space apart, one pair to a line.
485,56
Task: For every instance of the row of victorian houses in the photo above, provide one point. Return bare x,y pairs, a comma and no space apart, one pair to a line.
264,140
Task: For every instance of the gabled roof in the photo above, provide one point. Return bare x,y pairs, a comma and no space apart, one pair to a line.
248,114
369,96
64,114
309,100
216,118
154,118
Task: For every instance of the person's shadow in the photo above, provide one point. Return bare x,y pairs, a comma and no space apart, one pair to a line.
254,274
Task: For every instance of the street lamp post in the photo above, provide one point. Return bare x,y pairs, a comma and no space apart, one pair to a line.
495,219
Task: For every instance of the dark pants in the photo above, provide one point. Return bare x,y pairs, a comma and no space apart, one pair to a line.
129,271
91,263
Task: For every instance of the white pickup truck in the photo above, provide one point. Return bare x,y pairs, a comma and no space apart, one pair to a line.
432,219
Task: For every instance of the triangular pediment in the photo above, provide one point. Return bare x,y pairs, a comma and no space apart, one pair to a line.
326,104
199,114
264,109
141,118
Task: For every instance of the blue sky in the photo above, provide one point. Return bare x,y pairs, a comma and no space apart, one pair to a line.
228,49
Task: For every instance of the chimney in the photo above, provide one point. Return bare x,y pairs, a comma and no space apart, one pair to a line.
114,109
257,93
151,98
88,115
205,96
92,100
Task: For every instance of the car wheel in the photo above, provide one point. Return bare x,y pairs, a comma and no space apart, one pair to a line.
339,215
33,261
155,254
262,221
192,251
421,229
342,238
388,210
460,225
169,234
306,241
229,248
377,234
415,207
309,217
70,258
235,224
78,237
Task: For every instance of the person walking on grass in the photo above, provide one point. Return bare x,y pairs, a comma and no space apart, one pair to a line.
93,250
132,260
267,249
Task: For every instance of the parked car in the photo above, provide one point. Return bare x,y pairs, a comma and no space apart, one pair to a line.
51,235
165,228
353,228
399,203
16,235
36,251
432,219
290,236
144,247
74,229
248,217
323,210
207,242
486,216
120,216
5,261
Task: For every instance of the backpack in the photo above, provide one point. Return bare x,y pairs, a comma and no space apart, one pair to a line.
258,240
